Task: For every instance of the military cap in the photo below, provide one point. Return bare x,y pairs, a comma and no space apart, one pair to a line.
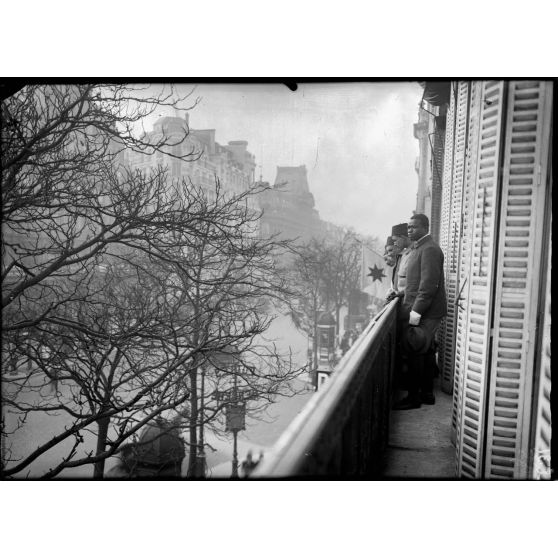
399,230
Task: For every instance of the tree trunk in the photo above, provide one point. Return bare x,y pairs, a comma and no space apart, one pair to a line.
315,347
193,428
200,470
99,467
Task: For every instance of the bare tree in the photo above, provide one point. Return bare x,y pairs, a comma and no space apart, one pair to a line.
226,289
307,274
144,329
102,365
66,197
342,262
326,272
118,285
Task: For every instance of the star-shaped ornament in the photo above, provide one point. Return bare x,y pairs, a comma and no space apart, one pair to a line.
377,273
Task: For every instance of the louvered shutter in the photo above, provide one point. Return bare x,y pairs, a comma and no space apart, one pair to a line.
517,278
452,230
465,255
480,279
447,176
446,212
437,144
543,426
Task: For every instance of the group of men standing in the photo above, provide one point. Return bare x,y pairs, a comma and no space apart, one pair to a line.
418,279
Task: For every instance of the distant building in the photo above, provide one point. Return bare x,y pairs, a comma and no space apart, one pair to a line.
233,165
288,208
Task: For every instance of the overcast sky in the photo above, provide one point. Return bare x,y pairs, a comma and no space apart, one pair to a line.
356,140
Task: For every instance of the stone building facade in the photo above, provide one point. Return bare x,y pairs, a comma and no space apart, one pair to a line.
232,164
289,208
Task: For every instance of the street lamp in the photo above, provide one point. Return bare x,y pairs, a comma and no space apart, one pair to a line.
235,414
235,400
200,465
235,421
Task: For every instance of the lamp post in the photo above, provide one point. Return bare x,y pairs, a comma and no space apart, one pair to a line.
235,413
235,425
200,457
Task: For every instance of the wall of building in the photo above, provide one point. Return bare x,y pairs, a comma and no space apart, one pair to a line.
289,209
207,160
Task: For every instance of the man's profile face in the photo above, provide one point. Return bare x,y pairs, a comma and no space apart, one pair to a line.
400,241
416,229
388,257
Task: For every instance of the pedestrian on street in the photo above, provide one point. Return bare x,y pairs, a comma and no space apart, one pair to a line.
248,465
344,345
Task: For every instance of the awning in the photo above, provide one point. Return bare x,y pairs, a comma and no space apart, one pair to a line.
436,93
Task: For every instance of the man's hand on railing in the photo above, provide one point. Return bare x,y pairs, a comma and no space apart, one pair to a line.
394,294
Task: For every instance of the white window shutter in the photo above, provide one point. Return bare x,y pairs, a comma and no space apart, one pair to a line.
543,427
448,172
517,278
480,280
465,255
451,245
447,181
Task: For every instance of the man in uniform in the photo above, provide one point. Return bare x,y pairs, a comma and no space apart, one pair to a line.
402,245
390,256
424,306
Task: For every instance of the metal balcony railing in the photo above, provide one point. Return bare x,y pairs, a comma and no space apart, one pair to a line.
343,430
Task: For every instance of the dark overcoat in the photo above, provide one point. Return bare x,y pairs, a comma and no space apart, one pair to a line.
425,292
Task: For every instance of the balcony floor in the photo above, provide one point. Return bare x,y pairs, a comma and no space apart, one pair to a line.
420,441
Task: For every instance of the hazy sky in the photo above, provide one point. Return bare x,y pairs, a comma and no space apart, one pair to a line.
356,140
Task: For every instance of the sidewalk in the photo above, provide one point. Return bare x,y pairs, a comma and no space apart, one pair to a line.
419,444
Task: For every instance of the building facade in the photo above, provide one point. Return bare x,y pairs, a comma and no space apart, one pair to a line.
289,208
207,160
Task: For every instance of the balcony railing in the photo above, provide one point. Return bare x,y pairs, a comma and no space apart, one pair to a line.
343,429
